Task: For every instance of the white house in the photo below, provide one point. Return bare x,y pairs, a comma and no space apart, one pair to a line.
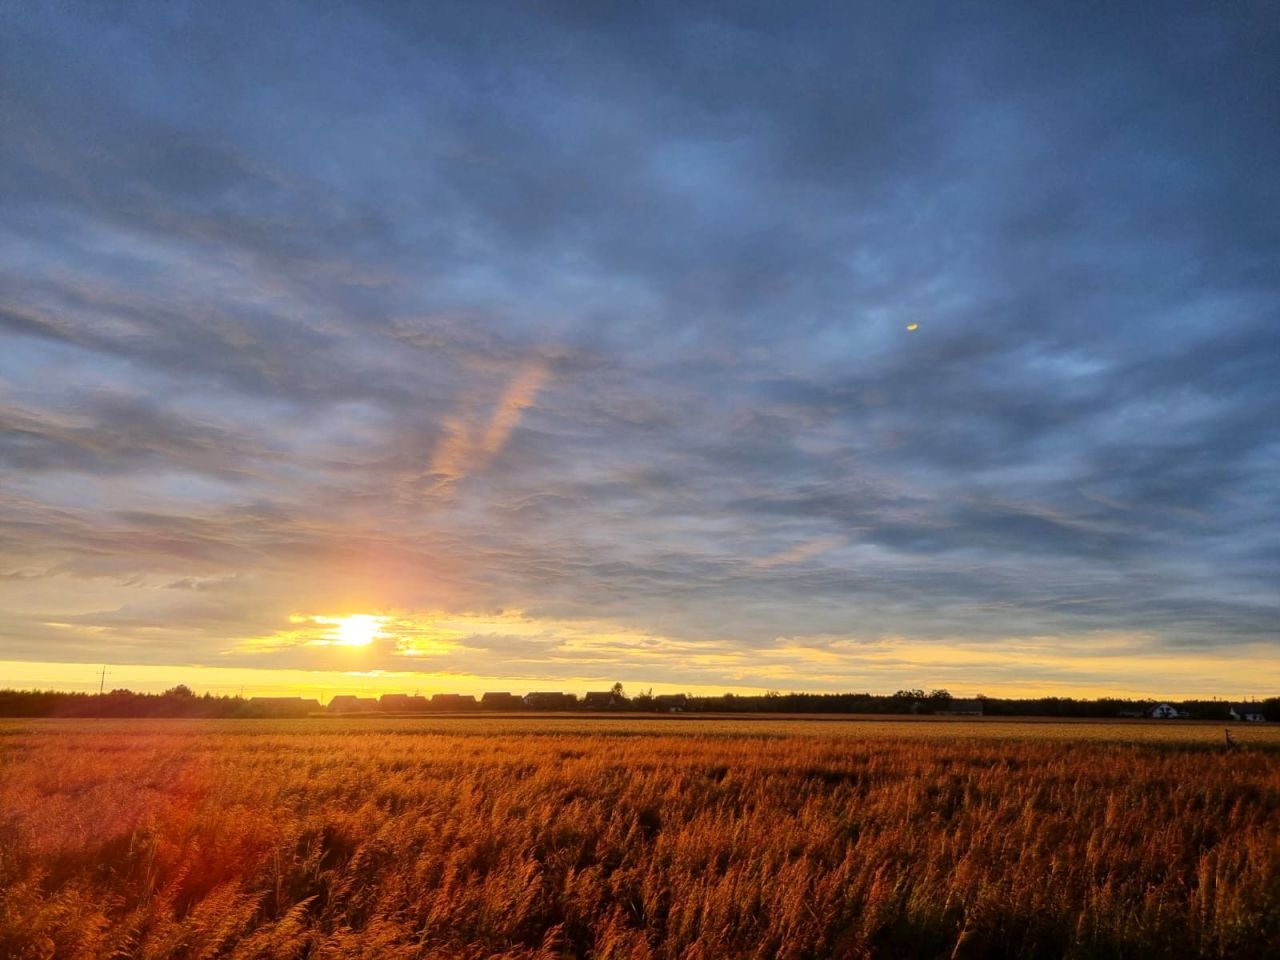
1248,712
1163,712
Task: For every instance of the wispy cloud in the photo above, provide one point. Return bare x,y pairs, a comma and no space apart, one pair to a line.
802,552
469,443
516,398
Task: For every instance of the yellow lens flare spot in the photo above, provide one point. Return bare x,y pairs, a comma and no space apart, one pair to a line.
913,326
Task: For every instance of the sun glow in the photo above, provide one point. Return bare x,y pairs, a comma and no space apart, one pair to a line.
357,630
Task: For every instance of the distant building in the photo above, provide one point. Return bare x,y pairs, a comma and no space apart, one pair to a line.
543,700
500,701
283,706
1162,711
604,700
402,703
349,704
1248,712
960,708
670,703
453,701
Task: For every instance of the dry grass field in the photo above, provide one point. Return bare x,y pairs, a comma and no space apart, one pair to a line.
452,838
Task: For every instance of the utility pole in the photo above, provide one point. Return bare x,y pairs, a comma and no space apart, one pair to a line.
102,681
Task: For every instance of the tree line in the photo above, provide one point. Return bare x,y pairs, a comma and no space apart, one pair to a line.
180,701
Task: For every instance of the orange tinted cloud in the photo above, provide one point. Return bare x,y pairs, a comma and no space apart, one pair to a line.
802,551
518,397
467,445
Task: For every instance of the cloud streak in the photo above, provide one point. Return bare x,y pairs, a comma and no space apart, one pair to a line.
469,445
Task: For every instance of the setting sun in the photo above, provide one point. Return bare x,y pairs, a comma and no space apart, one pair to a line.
357,630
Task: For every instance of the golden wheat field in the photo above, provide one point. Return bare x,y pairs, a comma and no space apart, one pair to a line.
547,838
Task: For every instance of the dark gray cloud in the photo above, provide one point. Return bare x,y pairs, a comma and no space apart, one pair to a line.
112,434
602,316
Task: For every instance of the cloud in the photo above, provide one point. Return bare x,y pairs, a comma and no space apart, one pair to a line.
114,433
802,552
468,445
603,320
516,398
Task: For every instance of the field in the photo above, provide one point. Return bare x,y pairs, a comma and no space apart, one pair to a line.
661,838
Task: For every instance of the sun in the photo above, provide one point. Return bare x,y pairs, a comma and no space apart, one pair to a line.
357,630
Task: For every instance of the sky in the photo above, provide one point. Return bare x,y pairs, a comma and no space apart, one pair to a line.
847,347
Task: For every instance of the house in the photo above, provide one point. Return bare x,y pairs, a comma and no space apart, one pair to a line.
1163,711
603,700
401,703
1248,712
500,701
542,700
960,708
670,703
283,706
453,701
345,703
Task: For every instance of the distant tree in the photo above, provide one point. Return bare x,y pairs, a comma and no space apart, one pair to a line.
617,689
940,695
181,691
